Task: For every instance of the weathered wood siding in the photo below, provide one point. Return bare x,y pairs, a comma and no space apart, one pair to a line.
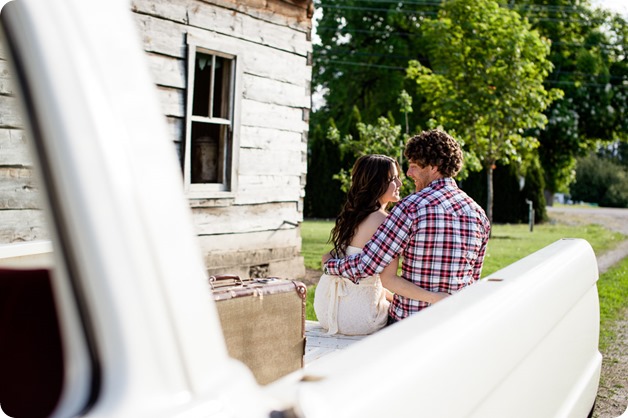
20,216
256,231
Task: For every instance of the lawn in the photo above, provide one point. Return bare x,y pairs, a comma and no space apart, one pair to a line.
314,235
613,292
508,244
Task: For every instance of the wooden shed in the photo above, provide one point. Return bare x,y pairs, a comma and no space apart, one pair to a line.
233,79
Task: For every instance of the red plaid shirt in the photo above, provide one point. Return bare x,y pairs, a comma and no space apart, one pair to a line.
441,234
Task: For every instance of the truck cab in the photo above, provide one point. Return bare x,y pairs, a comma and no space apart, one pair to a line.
114,317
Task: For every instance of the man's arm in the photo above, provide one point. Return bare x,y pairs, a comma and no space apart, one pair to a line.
386,244
405,288
480,260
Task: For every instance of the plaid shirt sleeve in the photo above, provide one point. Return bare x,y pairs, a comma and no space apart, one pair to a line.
388,242
478,266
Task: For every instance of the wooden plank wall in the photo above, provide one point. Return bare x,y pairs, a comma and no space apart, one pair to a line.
20,216
257,230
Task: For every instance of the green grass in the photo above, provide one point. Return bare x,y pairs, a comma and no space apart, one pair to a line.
314,234
613,292
309,304
508,244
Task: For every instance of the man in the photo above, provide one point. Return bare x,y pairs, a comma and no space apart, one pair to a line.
440,232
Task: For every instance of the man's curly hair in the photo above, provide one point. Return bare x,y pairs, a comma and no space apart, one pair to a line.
435,148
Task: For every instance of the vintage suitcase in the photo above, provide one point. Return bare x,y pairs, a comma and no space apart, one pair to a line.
263,321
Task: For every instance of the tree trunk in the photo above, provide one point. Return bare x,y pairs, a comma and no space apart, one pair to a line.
549,197
489,192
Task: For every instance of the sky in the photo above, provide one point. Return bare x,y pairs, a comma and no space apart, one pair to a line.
619,6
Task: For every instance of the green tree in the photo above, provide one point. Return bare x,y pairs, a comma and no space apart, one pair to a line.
485,84
617,152
381,138
384,137
602,181
405,101
534,184
364,49
361,57
588,52
515,190
323,197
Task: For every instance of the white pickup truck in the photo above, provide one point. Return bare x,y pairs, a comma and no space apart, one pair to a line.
137,334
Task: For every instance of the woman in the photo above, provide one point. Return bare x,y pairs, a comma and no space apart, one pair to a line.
342,307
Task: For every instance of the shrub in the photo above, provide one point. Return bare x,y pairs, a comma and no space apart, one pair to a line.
602,181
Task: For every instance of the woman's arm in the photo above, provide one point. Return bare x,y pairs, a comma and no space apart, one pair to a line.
396,284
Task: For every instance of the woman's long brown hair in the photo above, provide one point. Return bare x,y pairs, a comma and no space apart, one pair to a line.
370,178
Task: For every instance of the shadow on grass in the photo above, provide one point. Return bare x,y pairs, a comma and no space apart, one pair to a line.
507,237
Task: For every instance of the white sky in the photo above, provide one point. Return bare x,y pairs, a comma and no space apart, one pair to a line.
620,6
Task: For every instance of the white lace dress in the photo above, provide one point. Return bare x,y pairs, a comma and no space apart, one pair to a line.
343,307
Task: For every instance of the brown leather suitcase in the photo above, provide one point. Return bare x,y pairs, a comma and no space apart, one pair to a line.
263,321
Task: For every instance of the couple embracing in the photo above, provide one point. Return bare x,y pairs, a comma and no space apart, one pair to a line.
439,233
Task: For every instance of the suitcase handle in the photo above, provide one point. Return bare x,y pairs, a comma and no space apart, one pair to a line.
213,280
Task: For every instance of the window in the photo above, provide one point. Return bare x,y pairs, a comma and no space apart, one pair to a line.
211,127
49,364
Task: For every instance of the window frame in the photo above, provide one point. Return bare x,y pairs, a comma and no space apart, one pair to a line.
227,188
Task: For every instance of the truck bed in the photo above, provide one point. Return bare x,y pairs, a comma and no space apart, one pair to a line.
318,344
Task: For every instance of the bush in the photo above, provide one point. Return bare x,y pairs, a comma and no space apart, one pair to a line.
602,181
323,196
